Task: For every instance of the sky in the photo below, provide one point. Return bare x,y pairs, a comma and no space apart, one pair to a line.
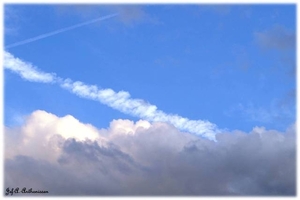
153,99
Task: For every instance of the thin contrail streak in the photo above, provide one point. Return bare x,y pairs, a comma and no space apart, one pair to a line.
59,31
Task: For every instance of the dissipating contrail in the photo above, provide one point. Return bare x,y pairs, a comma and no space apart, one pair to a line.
59,31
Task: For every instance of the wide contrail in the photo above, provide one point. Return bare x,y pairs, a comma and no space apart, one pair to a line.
59,31
120,101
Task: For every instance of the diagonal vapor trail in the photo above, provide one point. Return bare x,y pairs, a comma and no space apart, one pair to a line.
120,101
59,31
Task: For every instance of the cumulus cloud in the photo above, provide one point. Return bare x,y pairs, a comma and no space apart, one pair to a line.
67,157
277,37
117,100
44,131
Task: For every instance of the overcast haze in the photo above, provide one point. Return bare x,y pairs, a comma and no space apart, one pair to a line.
151,100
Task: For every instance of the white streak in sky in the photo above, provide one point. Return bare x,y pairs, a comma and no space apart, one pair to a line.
26,70
139,108
59,31
120,101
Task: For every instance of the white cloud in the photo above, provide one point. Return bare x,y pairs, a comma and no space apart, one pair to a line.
128,127
42,133
26,70
120,101
139,108
51,153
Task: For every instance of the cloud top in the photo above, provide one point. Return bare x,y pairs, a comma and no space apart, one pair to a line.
142,158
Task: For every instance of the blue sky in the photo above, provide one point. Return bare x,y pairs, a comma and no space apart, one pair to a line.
155,100
232,65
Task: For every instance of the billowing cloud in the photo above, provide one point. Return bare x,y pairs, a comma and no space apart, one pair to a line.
120,101
277,37
42,130
67,157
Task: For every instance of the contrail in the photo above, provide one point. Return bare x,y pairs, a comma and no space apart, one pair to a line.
120,101
59,31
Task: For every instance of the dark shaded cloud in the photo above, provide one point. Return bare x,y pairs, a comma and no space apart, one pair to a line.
277,37
135,159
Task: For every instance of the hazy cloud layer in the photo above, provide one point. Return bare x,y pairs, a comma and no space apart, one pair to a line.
11,20
67,157
128,14
276,37
280,111
219,9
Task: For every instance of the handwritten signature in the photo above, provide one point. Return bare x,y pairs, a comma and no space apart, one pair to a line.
24,190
